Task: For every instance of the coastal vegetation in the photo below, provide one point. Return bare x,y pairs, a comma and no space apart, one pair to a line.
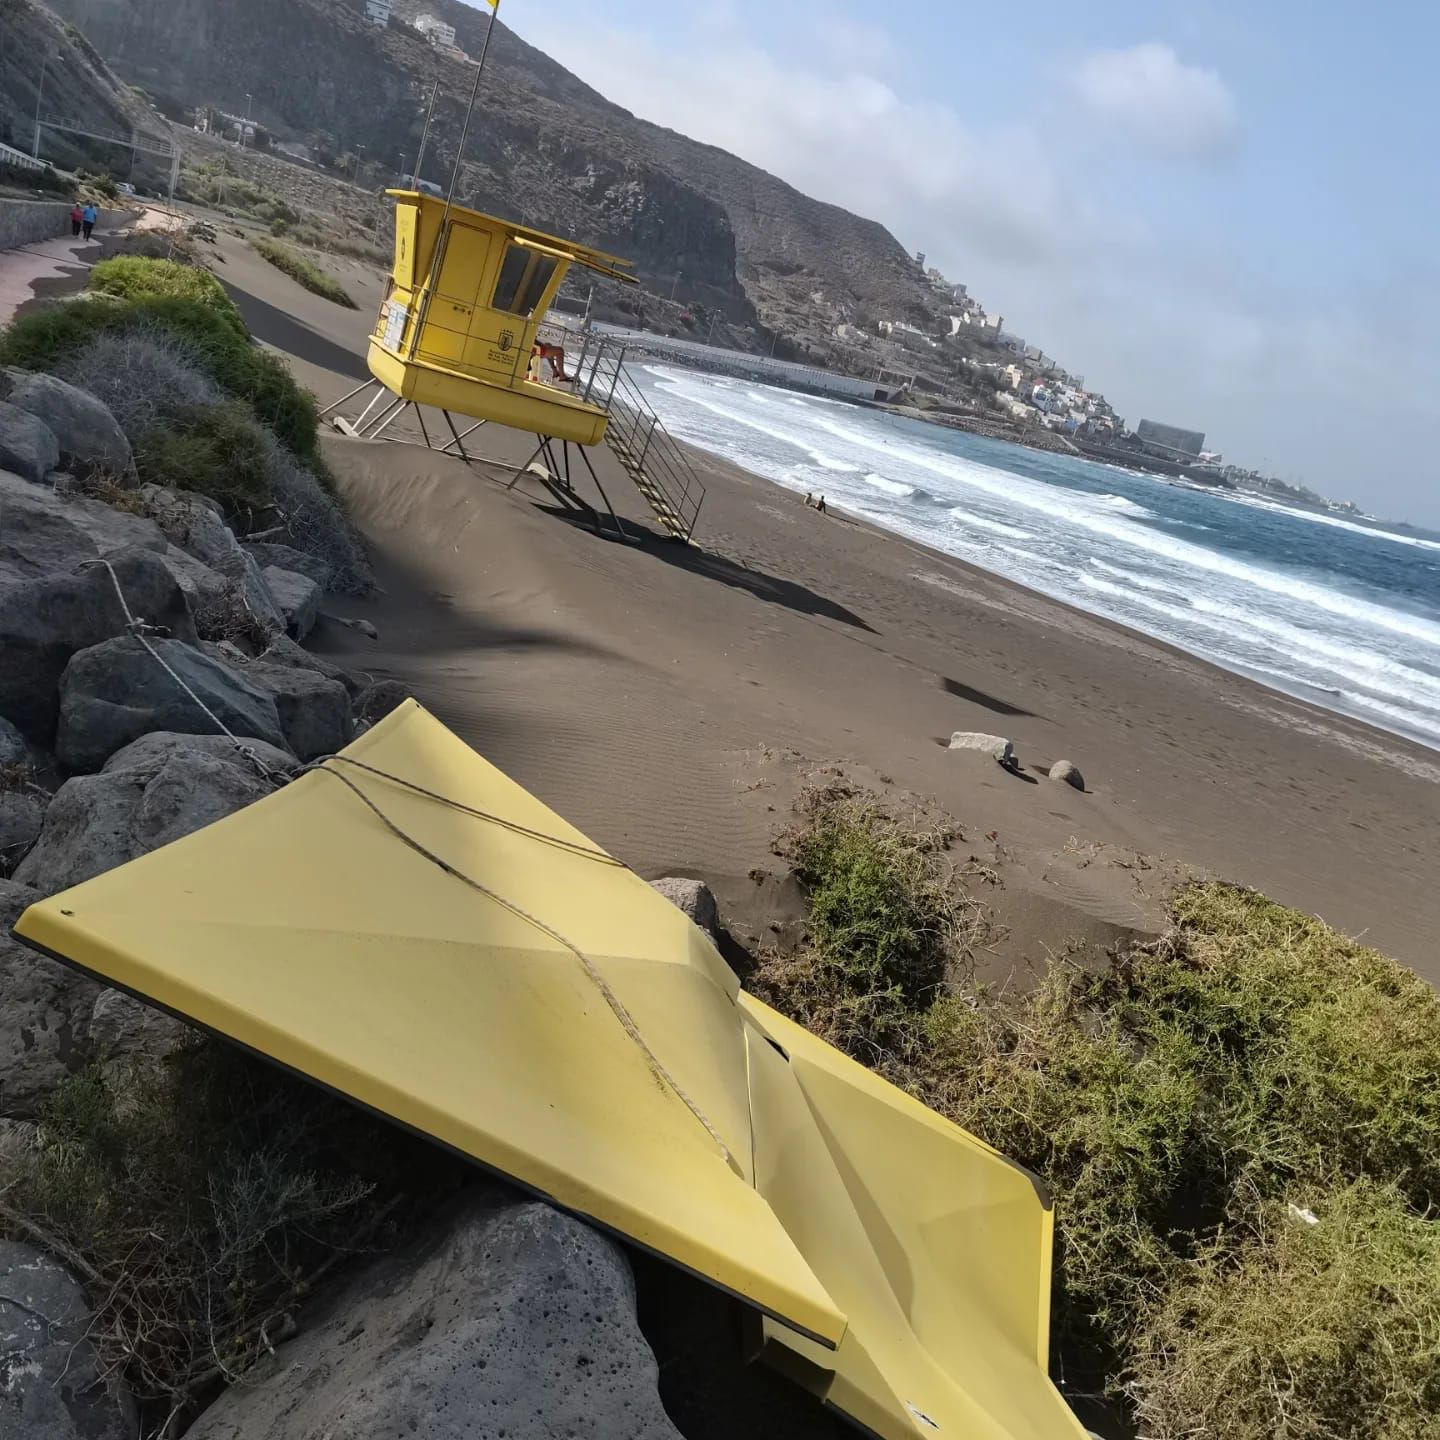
202,1198
1239,1123
205,408
303,271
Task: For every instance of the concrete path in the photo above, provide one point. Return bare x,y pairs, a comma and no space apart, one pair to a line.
23,268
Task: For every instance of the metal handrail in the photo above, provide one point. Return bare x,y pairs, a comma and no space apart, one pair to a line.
655,457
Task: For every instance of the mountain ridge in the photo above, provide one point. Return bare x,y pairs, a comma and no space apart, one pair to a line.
547,147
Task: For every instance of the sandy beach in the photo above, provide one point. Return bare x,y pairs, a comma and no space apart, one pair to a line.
671,701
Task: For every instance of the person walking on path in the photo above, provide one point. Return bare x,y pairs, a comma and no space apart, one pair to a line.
88,217
77,218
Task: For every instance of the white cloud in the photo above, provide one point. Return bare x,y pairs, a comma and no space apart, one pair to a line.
1150,94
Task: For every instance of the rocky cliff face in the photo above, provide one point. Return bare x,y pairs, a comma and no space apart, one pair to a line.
545,147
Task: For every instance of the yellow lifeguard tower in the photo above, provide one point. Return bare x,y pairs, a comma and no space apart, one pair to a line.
463,330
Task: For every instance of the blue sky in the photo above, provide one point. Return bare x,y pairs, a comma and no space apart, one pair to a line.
1224,215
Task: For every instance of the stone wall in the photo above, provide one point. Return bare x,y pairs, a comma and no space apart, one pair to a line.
23,222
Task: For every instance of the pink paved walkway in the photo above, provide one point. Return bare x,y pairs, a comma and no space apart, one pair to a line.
21,269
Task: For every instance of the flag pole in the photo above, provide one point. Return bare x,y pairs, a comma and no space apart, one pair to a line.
442,240
470,110
425,133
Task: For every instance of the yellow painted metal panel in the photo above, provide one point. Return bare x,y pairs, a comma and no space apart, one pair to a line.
903,1261
935,1247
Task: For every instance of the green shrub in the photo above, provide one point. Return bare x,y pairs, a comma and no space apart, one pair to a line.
302,271
884,927
216,450
44,340
136,277
1173,1100
1310,1331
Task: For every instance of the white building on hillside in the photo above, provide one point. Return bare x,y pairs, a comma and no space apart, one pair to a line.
377,12
437,32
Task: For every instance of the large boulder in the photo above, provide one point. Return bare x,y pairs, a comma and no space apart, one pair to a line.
298,597
14,748
376,701
506,1318
286,557
27,446
22,813
36,538
193,522
46,531
202,585
110,528
997,747
282,650
693,898
90,438
44,622
157,790
52,1386
117,691
314,711
45,1012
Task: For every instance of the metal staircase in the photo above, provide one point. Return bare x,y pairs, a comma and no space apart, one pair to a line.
647,452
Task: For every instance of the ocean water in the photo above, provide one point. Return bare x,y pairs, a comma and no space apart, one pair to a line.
1337,611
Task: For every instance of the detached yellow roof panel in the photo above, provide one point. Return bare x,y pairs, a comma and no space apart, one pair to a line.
303,929
438,945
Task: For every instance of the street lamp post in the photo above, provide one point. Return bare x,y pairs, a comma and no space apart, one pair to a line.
355,173
249,102
679,276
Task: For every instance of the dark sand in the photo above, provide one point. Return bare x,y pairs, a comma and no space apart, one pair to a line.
670,701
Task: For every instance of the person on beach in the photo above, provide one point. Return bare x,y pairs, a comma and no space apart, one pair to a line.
77,218
88,216
820,506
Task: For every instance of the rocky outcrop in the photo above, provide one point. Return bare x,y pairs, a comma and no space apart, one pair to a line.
28,446
37,538
997,747
693,898
1064,771
283,557
505,1318
314,711
22,813
51,1385
46,621
90,438
44,1015
378,700
297,597
152,792
14,750
284,651
117,691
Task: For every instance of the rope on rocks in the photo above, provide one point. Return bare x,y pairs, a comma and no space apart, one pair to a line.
142,632
139,628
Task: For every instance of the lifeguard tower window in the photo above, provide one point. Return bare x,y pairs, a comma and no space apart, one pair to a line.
523,278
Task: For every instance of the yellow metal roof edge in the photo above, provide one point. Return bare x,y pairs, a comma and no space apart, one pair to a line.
582,254
432,1137
769,1021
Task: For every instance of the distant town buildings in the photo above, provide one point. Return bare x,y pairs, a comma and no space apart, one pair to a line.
377,12
436,31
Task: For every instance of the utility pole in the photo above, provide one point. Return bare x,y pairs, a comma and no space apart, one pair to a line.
39,100
710,338
679,276
249,100
401,171
355,172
